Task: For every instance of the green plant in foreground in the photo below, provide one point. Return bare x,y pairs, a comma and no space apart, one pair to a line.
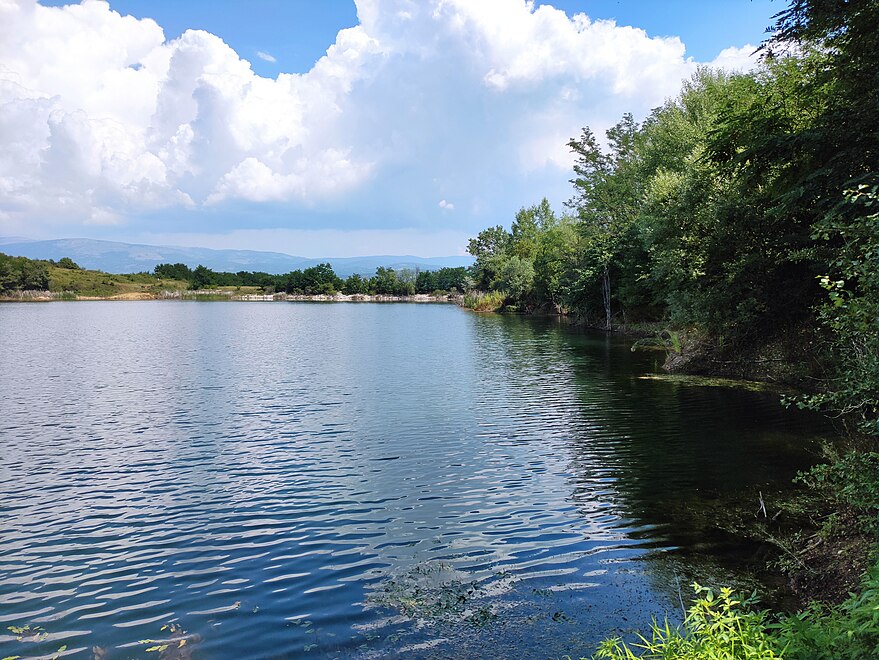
717,627
850,630
724,628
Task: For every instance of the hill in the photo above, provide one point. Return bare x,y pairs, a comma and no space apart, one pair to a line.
116,257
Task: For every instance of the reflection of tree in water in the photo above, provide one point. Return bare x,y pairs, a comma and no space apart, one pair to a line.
687,465
673,465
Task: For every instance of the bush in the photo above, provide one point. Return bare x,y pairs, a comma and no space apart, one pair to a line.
849,631
715,628
851,483
68,263
480,301
723,628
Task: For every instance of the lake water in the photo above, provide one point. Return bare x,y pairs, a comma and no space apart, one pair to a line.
358,480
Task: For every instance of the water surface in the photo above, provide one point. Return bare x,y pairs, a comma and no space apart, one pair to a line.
356,480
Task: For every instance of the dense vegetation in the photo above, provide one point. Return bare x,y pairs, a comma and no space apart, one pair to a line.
23,274
321,279
744,213
742,217
19,273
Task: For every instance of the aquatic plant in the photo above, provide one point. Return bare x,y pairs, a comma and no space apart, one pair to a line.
177,645
435,591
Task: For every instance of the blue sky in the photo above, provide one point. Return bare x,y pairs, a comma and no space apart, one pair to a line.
297,32
422,124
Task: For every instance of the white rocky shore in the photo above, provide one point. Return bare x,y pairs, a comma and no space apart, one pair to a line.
357,297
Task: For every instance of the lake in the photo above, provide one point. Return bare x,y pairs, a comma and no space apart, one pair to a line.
285,480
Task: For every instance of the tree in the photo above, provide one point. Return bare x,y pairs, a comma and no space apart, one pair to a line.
556,258
384,282
176,271
516,278
320,279
21,273
604,195
202,277
355,284
490,248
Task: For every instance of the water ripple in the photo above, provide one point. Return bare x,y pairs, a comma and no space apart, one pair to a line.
350,481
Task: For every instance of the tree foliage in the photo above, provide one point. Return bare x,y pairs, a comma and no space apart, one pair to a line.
21,273
744,209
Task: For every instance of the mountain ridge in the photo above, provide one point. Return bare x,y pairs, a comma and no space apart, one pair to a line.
119,257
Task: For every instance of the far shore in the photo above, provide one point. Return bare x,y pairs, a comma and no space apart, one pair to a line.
226,295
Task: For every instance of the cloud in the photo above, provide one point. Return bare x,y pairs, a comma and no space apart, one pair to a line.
266,56
103,120
737,59
319,242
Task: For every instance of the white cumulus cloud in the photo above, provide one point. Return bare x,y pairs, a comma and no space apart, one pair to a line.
104,120
267,57
737,59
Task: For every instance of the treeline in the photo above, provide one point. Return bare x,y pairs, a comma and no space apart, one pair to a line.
21,273
322,280
745,210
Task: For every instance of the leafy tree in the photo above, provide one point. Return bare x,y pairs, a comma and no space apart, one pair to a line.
68,263
202,277
176,271
556,260
604,197
851,313
384,282
320,279
515,278
21,273
489,248
355,284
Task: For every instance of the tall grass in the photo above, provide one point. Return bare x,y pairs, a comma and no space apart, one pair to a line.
720,627
484,301
717,627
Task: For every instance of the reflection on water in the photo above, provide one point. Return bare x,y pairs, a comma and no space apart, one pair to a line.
285,480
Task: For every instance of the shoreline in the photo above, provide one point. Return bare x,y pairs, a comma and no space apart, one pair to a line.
225,295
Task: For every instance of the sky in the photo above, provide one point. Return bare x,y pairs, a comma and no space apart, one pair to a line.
332,128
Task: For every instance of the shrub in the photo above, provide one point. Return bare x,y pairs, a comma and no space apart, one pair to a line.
715,628
850,630
851,483
479,301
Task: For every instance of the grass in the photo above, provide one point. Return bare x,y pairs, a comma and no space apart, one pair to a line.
98,283
717,627
724,627
480,301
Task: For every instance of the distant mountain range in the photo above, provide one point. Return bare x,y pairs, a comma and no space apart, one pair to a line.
113,257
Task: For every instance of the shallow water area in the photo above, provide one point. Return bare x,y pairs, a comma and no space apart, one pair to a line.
228,480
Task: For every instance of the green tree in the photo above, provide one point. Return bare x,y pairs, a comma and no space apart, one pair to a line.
490,249
355,284
176,271
555,262
605,198
515,278
202,277
384,282
68,263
